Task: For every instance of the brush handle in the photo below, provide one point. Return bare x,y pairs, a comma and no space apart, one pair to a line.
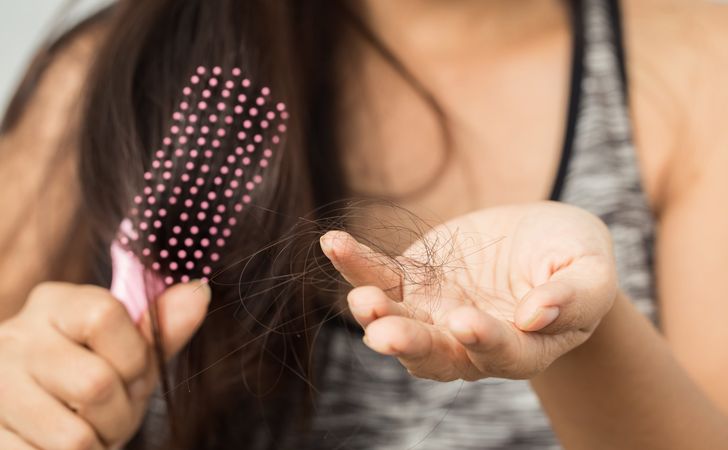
131,283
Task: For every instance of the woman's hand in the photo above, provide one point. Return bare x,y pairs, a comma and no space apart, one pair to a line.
76,372
500,292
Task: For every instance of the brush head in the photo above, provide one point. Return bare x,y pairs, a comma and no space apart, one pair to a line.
221,138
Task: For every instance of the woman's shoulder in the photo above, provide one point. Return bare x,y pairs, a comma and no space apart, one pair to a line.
39,187
52,84
677,55
680,37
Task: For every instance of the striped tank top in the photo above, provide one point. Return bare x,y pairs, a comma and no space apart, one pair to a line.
368,401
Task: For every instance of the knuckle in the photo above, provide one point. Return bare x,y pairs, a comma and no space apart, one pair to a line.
96,386
13,343
10,335
138,362
104,313
43,291
78,436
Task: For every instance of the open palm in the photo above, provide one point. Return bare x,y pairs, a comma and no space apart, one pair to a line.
498,292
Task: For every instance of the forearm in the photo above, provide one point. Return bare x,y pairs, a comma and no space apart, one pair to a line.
622,389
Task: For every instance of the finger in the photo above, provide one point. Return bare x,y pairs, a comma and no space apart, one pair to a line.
491,344
90,316
12,441
477,330
543,304
58,427
369,303
574,298
89,386
181,310
360,265
423,349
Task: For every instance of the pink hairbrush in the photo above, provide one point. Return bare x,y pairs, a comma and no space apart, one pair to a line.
220,141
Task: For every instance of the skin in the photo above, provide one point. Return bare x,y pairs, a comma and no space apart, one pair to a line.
491,293
73,358
478,58
675,50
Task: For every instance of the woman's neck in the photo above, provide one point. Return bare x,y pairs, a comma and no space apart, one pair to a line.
443,26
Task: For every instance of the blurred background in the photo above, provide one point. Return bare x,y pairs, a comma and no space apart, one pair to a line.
24,25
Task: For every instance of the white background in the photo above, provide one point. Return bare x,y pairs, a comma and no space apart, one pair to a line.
24,25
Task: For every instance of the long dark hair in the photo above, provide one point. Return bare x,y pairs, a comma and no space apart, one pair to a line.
243,378
244,371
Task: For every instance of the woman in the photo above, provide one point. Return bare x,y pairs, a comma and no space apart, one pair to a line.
452,109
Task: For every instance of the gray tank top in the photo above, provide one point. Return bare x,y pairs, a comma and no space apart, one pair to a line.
368,401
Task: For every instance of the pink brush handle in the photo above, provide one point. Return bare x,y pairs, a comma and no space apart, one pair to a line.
131,282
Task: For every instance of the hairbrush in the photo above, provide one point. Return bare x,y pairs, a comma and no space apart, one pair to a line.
221,137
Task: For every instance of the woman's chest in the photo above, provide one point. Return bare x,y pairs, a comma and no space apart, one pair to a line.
487,140
475,140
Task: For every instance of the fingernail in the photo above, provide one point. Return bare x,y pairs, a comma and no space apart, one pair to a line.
138,389
368,343
541,317
325,243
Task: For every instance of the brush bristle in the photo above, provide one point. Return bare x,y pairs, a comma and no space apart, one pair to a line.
222,137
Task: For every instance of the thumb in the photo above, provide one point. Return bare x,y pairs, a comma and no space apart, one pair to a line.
180,312
574,298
